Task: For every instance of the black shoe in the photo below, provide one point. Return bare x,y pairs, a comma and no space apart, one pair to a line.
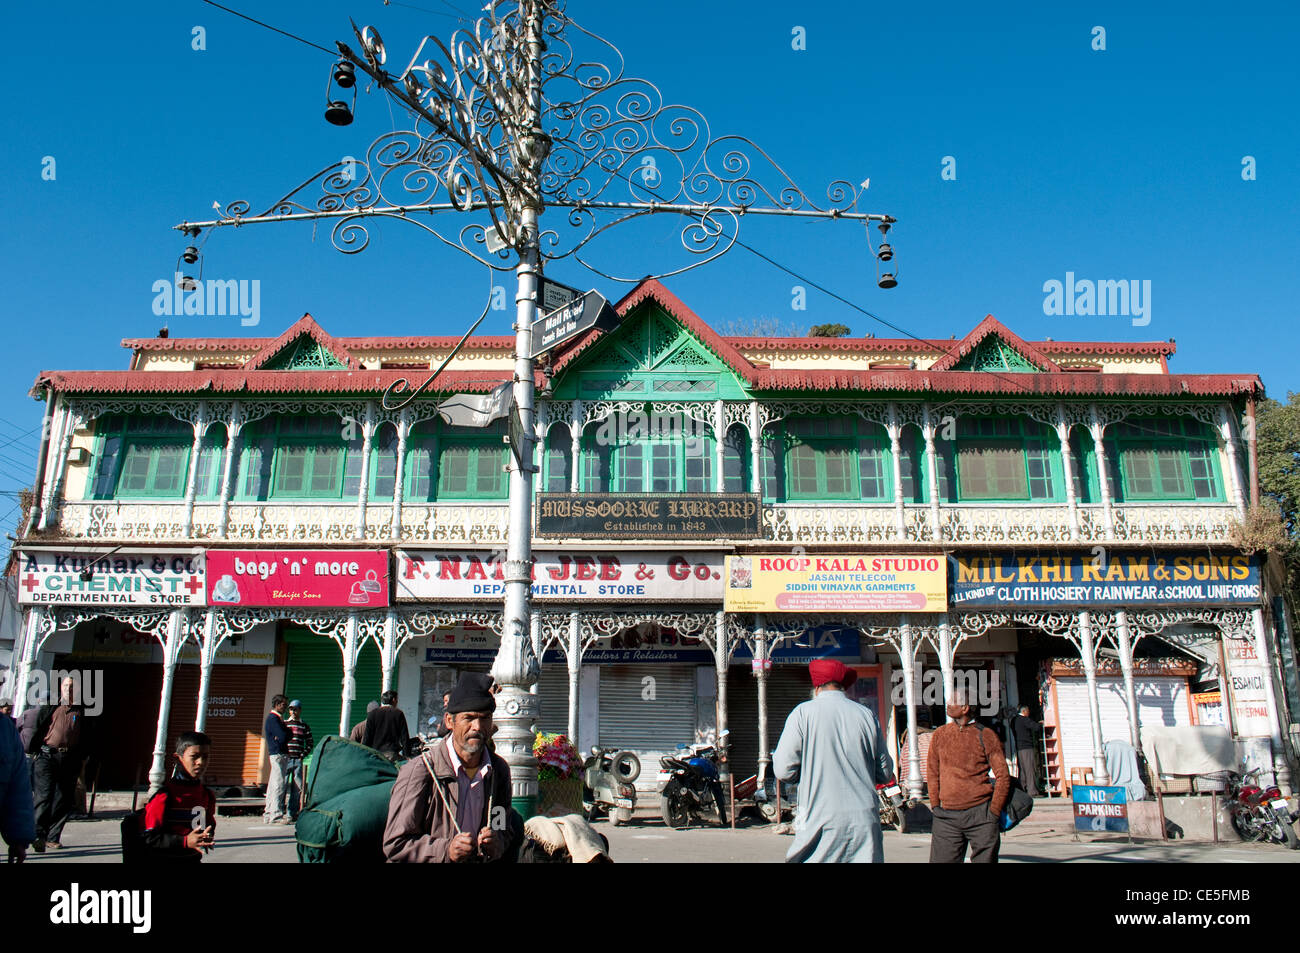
38,845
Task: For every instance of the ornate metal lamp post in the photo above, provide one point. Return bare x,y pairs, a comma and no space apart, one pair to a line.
509,120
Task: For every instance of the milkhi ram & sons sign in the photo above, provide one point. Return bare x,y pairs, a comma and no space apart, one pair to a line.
836,583
1103,578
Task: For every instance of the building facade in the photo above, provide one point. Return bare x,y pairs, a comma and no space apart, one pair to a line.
230,518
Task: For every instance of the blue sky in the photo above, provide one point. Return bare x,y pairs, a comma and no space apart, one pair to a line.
1117,164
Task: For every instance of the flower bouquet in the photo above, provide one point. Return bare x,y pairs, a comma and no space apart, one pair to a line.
559,775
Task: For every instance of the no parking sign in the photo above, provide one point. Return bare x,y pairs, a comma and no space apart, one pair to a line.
1100,808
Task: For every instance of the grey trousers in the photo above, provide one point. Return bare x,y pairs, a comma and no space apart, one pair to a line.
276,788
953,830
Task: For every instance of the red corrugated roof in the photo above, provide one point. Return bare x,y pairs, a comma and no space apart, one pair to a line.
235,382
991,326
305,325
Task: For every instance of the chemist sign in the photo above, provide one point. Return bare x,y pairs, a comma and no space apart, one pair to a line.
842,583
333,578
122,578
1099,808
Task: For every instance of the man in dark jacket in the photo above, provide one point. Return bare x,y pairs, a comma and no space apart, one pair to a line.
277,743
386,728
964,800
452,804
17,817
56,745
1026,730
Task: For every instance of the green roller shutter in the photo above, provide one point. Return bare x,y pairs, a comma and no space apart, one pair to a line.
314,676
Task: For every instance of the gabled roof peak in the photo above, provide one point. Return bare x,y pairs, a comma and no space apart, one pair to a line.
305,326
992,327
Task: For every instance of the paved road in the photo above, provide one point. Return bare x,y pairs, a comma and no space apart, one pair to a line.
247,840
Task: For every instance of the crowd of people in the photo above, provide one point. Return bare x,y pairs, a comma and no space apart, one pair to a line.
451,801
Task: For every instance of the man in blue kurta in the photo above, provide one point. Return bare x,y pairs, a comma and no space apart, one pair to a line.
832,747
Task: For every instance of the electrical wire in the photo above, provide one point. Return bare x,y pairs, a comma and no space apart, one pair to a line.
467,18
292,36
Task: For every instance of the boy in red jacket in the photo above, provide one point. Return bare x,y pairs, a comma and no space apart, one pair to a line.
180,819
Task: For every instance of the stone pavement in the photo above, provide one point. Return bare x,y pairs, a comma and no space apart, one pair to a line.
246,840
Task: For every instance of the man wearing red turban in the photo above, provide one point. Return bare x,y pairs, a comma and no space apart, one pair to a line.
832,747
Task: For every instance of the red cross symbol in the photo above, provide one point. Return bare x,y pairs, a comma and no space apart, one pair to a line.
193,584
30,582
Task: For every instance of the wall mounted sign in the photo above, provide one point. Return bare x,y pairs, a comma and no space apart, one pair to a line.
841,583
648,515
1248,690
334,578
440,575
1102,578
124,578
566,322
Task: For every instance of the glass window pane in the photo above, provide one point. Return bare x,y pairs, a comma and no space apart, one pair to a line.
169,470
992,469
735,456
291,469
489,477
453,471
663,468
135,469
421,457
352,454
839,472
108,461
871,470
771,475
801,471
326,469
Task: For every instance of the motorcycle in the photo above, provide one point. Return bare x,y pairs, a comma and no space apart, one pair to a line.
1260,813
607,778
892,805
693,788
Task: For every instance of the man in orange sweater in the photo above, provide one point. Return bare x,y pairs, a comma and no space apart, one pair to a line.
964,800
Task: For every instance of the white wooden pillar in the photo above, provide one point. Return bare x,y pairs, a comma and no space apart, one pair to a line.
388,657
573,659
351,649
200,425
720,655
761,656
233,426
207,658
1098,431
907,656
171,646
1067,466
25,658
719,437
363,492
1264,651
1125,644
1235,488
895,446
575,445
755,450
66,422
931,471
1089,654
945,663
399,478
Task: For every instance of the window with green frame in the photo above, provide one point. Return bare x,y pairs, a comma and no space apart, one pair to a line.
299,457
839,457
141,456
383,463
1157,458
558,459
999,459
212,453
675,456
456,463
735,460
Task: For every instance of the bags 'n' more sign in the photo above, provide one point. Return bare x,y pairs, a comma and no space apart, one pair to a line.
849,583
1099,808
1103,577
335,578
563,576
648,515
124,578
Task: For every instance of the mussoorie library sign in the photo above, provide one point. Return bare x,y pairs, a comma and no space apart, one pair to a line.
1104,578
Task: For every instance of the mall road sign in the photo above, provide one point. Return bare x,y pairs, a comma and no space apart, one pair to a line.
569,320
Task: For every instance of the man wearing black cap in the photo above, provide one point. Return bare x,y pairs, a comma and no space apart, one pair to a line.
386,730
452,804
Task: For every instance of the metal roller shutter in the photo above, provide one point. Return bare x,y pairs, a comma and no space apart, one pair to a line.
650,727
787,686
553,696
1161,701
314,676
234,723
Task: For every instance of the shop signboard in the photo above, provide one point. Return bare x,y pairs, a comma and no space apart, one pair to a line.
122,578
817,642
480,645
648,515
462,645
333,578
1101,577
111,641
838,583
599,576
1099,808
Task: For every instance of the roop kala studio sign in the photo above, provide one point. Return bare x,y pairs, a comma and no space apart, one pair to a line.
648,515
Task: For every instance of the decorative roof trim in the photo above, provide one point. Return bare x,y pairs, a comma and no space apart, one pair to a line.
988,327
305,325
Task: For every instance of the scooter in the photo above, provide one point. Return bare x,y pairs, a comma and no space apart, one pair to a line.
693,787
607,778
